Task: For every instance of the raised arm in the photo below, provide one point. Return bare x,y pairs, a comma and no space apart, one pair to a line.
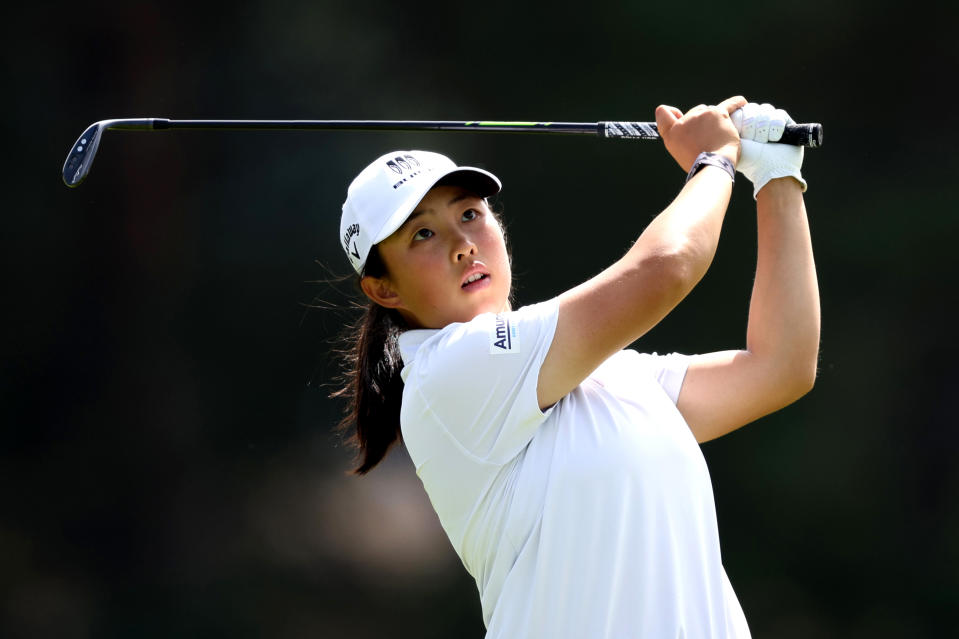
611,310
725,390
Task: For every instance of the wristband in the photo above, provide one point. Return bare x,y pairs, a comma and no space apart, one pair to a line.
712,159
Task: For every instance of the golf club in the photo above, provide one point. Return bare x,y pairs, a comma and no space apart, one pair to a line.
79,160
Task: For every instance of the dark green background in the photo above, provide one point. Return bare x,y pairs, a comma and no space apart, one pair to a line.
167,460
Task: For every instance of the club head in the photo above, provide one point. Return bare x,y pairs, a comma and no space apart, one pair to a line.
77,166
80,158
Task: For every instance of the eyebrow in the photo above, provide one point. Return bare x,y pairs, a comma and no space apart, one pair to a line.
465,195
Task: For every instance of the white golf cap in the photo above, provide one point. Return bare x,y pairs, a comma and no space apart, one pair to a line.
384,194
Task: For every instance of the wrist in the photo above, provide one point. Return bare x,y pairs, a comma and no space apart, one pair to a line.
787,186
709,158
731,152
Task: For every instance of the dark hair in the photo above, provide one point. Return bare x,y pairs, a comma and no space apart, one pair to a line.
371,377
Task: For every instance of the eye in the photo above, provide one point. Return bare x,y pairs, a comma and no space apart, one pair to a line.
423,234
470,215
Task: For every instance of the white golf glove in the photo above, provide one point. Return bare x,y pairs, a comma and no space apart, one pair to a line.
760,126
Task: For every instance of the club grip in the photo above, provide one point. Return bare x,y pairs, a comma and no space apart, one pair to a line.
809,135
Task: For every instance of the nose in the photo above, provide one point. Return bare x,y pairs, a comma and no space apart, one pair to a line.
463,246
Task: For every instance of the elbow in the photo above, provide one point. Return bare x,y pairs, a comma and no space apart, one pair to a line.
801,378
789,365
664,280
785,389
808,363
786,377
678,267
811,372
805,382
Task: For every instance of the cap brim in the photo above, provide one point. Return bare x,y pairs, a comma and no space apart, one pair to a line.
482,183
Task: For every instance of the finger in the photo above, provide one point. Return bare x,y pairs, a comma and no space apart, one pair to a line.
666,117
777,124
729,105
749,121
762,122
737,118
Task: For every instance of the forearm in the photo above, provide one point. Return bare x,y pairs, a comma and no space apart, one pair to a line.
682,239
663,265
616,307
783,330
601,316
687,232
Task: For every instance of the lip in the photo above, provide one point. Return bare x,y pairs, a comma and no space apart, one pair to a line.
474,268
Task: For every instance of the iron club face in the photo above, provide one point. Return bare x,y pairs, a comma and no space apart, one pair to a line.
78,162
77,166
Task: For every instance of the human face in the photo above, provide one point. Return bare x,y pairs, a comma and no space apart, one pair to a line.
447,263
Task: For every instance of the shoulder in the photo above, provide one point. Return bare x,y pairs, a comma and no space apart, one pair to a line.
475,382
482,339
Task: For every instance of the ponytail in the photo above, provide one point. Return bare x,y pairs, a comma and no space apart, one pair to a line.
372,385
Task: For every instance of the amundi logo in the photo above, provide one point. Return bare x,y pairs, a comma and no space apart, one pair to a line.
402,163
503,338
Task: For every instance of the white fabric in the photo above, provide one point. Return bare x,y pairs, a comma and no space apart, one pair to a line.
592,519
760,122
761,160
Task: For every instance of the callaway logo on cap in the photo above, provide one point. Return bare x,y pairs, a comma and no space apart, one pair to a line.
384,194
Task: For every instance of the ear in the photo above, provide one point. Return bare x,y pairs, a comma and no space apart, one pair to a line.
379,290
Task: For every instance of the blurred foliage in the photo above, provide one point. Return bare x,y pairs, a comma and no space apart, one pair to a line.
168,463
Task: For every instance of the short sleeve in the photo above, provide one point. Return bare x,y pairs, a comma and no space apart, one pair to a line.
477,381
669,371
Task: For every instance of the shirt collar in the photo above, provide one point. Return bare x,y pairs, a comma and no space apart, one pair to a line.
411,340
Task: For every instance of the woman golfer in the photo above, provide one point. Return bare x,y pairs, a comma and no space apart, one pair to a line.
564,469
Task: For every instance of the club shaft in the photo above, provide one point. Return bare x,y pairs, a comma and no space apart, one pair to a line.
797,134
585,128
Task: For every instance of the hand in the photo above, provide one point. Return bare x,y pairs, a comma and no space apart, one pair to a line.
702,128
760,126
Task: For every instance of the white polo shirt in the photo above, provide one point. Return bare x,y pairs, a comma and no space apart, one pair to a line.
592,519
